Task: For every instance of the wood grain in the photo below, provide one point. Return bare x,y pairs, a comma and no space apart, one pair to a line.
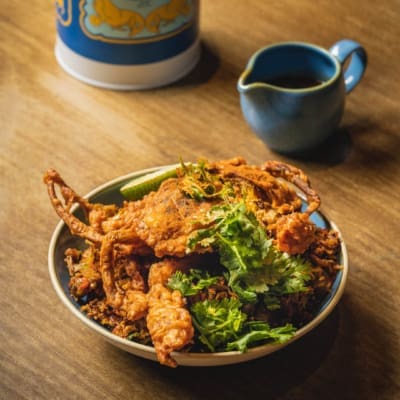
48,119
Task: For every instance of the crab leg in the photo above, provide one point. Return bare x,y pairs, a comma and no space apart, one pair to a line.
168,321
77,227
130,302
298,178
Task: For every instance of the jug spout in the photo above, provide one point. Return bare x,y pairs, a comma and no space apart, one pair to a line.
255,75
249,81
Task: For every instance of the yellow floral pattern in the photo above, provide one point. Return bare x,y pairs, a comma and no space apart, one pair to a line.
108,20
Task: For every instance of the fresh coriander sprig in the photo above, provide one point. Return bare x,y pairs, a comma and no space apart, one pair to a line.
192,282
222,326
256,267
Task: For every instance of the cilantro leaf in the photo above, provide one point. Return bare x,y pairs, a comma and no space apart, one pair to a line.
261,332
191,283
217,321
256,267
222,326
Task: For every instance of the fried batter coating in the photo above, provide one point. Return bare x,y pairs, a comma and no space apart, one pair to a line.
276,194
83,268
298,178
52,179
294,233
129,301
323,254
165,218
169,322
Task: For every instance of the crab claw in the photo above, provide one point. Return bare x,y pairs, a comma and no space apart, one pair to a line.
52,179
298,178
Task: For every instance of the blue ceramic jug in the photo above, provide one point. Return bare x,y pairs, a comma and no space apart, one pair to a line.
292,94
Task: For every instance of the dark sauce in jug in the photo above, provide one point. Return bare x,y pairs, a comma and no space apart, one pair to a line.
294,81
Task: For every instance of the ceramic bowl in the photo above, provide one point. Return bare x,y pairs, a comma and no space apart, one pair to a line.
109,193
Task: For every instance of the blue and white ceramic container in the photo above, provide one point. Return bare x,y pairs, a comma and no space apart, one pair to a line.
128,44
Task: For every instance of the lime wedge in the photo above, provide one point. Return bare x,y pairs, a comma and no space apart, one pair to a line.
138,187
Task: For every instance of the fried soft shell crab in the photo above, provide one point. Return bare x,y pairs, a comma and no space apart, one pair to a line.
121,278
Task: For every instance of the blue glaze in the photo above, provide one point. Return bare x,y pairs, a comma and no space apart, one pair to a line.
354,72
125,35
295,120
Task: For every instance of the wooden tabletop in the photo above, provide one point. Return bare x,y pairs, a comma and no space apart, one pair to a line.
91,135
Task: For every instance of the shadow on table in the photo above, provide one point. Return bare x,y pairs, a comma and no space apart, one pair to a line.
267,377
349,356
369,142
332,151
204,70
376,143
365,358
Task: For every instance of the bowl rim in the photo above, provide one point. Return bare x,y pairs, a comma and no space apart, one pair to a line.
189,358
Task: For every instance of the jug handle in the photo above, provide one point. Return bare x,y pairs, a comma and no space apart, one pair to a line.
344,49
